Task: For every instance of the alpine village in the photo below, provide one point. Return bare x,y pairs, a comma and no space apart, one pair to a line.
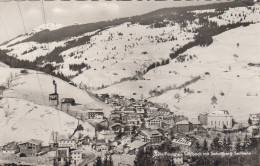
174,87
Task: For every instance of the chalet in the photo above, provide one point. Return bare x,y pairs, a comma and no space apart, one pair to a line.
117,127
76,156
106,135
182,127
30,148
134,147
132,119
151,111
152,136
153,123
168,121
163,131
140,112
101,146
185,144
63,156
68,143
10,148
95,114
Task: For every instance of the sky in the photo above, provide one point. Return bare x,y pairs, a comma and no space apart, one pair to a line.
70,12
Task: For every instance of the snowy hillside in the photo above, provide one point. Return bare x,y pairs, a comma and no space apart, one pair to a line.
224,70
38,122
36,87
225,73
101,54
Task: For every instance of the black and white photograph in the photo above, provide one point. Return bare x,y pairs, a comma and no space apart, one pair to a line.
129,83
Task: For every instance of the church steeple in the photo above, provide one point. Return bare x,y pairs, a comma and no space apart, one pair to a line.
214,105
214,100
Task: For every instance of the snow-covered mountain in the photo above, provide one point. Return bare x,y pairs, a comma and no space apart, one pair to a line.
101,54
204,48
25,107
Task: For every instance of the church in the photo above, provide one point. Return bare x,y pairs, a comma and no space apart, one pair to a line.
218,119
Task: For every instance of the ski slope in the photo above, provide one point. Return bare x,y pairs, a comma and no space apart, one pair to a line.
36,87
21,120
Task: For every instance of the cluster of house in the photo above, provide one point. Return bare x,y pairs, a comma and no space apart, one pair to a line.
133,124
31,147
69,151
66,150
140,123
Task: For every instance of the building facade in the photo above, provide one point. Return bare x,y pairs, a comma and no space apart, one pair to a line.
30,148
10,148
95,114
219,119
67,143
76,156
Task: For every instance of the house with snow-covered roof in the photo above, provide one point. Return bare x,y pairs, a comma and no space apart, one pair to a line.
107,135
30,148
152,136
185,144
153,123
10,148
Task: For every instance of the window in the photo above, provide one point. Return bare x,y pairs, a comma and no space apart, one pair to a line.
219,123
211,123
227,122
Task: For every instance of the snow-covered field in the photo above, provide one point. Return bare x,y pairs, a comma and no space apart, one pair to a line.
36,87
238,14
226,60
120,51
25,107
18,117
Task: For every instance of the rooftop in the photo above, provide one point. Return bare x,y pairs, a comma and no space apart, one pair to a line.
33,141
183,122
219,112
